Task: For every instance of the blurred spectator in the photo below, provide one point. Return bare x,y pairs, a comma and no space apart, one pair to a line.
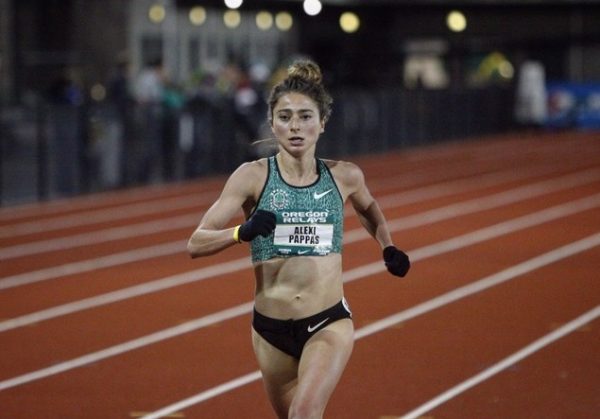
531,106
116,142
173,101
198,122
148,94
251,109
65,89
66,146
247,105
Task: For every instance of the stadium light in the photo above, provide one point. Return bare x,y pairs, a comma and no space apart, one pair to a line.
284,21
197,15
264,20
233,4
456,21
98,92
157,13
232,18
349,22
312,7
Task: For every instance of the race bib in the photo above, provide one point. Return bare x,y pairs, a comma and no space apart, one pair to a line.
303,239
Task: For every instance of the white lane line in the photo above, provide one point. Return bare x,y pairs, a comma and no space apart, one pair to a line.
416,195
104,215
485,151
196,275
205,395
88,265
352,275
504,364
555,162
507,274
480,204
484,181
129,346
387,201
96,237
124,211
84,202
82,239
423,308
392,200
477,236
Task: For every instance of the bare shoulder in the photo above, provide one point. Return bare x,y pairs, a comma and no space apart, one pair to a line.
345,172
348,176
240,192
250,172
253,168
247,180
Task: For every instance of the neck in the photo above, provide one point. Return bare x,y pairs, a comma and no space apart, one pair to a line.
300,169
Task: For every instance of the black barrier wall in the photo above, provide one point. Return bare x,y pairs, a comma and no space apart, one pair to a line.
50,150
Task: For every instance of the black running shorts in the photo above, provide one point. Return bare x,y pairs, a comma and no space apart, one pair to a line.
290,336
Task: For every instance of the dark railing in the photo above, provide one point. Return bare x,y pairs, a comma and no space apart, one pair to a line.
58,150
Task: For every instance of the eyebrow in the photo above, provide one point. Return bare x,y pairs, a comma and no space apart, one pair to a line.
287,110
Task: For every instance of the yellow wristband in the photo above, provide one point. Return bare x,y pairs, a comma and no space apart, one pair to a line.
236,234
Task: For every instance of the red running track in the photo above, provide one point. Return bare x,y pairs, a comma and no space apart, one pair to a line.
103,315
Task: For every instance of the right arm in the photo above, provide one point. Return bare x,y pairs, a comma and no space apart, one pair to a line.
213,233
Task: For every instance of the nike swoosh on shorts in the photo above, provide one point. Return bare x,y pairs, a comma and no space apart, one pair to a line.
316,326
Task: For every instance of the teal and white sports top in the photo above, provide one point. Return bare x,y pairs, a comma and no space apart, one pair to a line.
310,219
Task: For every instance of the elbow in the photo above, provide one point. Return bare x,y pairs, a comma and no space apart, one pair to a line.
192,250
195,250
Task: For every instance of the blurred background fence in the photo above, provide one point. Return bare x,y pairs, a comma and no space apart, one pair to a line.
102,95
52,149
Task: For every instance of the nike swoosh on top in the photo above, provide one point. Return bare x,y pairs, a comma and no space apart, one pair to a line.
322,194
316,326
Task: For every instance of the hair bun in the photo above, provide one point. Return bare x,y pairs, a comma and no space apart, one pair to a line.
307,70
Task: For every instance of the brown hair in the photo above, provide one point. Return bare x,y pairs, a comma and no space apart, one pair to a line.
303,77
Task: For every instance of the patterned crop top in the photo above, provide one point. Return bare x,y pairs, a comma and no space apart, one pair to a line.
310,219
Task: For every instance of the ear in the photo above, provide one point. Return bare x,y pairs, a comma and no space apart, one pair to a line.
322,126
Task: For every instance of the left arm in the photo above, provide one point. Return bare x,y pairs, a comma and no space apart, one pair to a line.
368,211
372,218
352,182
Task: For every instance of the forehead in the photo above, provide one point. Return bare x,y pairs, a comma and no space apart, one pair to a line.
294,101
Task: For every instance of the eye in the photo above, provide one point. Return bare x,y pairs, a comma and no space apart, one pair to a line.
283,117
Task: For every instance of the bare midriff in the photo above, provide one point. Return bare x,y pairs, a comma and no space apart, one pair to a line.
298,287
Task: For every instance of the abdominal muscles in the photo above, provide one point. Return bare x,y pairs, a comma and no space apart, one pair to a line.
298,287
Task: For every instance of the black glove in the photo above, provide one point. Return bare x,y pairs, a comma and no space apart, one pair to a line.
262,223
396,261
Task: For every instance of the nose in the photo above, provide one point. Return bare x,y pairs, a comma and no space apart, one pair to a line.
294,126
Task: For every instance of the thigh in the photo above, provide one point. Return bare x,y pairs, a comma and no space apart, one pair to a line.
279,371
322,363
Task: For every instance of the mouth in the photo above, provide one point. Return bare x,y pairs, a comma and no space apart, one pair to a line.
296,140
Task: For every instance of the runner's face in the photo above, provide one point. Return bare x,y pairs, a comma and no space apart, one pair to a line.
296,122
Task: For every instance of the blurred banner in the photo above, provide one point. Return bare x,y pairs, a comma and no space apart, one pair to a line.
573,105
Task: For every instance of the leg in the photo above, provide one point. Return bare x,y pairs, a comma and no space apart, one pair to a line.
280,374
323,360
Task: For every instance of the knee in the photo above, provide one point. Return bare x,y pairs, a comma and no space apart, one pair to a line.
305,409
